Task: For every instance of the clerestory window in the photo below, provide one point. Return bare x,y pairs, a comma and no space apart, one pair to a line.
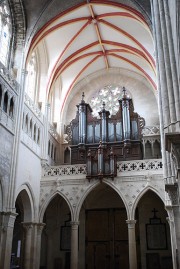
31,77
5,32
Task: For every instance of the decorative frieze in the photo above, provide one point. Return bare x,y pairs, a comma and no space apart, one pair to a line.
125,166
141,165
65,170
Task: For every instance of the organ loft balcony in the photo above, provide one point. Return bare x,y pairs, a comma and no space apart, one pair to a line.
108,146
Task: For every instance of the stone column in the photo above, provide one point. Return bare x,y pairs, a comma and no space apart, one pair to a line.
6,235
132,244
144,148
74,244
28,239
165,88
177,233
49,249
2,99
170,220
172,58
44,136
160,62
40,227
167,61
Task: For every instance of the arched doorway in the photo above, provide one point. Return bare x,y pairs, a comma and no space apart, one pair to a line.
103,240
24,211
154,235
56,236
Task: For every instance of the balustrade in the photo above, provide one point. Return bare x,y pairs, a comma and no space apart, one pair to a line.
124,166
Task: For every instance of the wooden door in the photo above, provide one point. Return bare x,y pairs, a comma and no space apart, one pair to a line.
106,239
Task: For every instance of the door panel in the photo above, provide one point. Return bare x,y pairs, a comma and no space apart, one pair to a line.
106,239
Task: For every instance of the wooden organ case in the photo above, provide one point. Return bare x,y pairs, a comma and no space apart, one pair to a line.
101,142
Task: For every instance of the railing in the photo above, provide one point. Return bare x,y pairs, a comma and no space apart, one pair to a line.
125,166
4,72
65,170
6,120
151,130
140,165
29,102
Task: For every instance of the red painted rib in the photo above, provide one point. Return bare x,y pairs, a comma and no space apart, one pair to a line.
72,84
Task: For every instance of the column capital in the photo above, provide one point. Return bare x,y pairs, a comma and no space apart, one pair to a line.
40,227
74,224
131,223
7,220
27,225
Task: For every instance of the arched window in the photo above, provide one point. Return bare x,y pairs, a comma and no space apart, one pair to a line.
26,123
49,145
35,132
55,153
38,137
30,85
30,127
5,104
52,149
11,107
67,155
5,32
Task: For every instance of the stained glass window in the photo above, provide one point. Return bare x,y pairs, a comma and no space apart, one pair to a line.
109,95
5,32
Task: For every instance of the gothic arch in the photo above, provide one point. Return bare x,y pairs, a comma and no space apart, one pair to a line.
47,202
25,194
146,189
90,189
113,76
117,190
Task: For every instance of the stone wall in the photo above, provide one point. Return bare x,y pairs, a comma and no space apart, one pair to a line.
6,152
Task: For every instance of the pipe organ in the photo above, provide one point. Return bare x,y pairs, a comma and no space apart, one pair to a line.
101,141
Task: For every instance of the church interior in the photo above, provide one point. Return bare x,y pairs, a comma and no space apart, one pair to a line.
89,134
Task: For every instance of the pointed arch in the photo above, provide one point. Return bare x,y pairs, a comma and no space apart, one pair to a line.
25,193
47,202
90,189
141,194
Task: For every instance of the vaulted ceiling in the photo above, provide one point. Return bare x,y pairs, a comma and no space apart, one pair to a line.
92,36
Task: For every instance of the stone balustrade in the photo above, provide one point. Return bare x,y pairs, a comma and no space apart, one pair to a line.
140,165
124,167
65,170
5,74
33,107
151,130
